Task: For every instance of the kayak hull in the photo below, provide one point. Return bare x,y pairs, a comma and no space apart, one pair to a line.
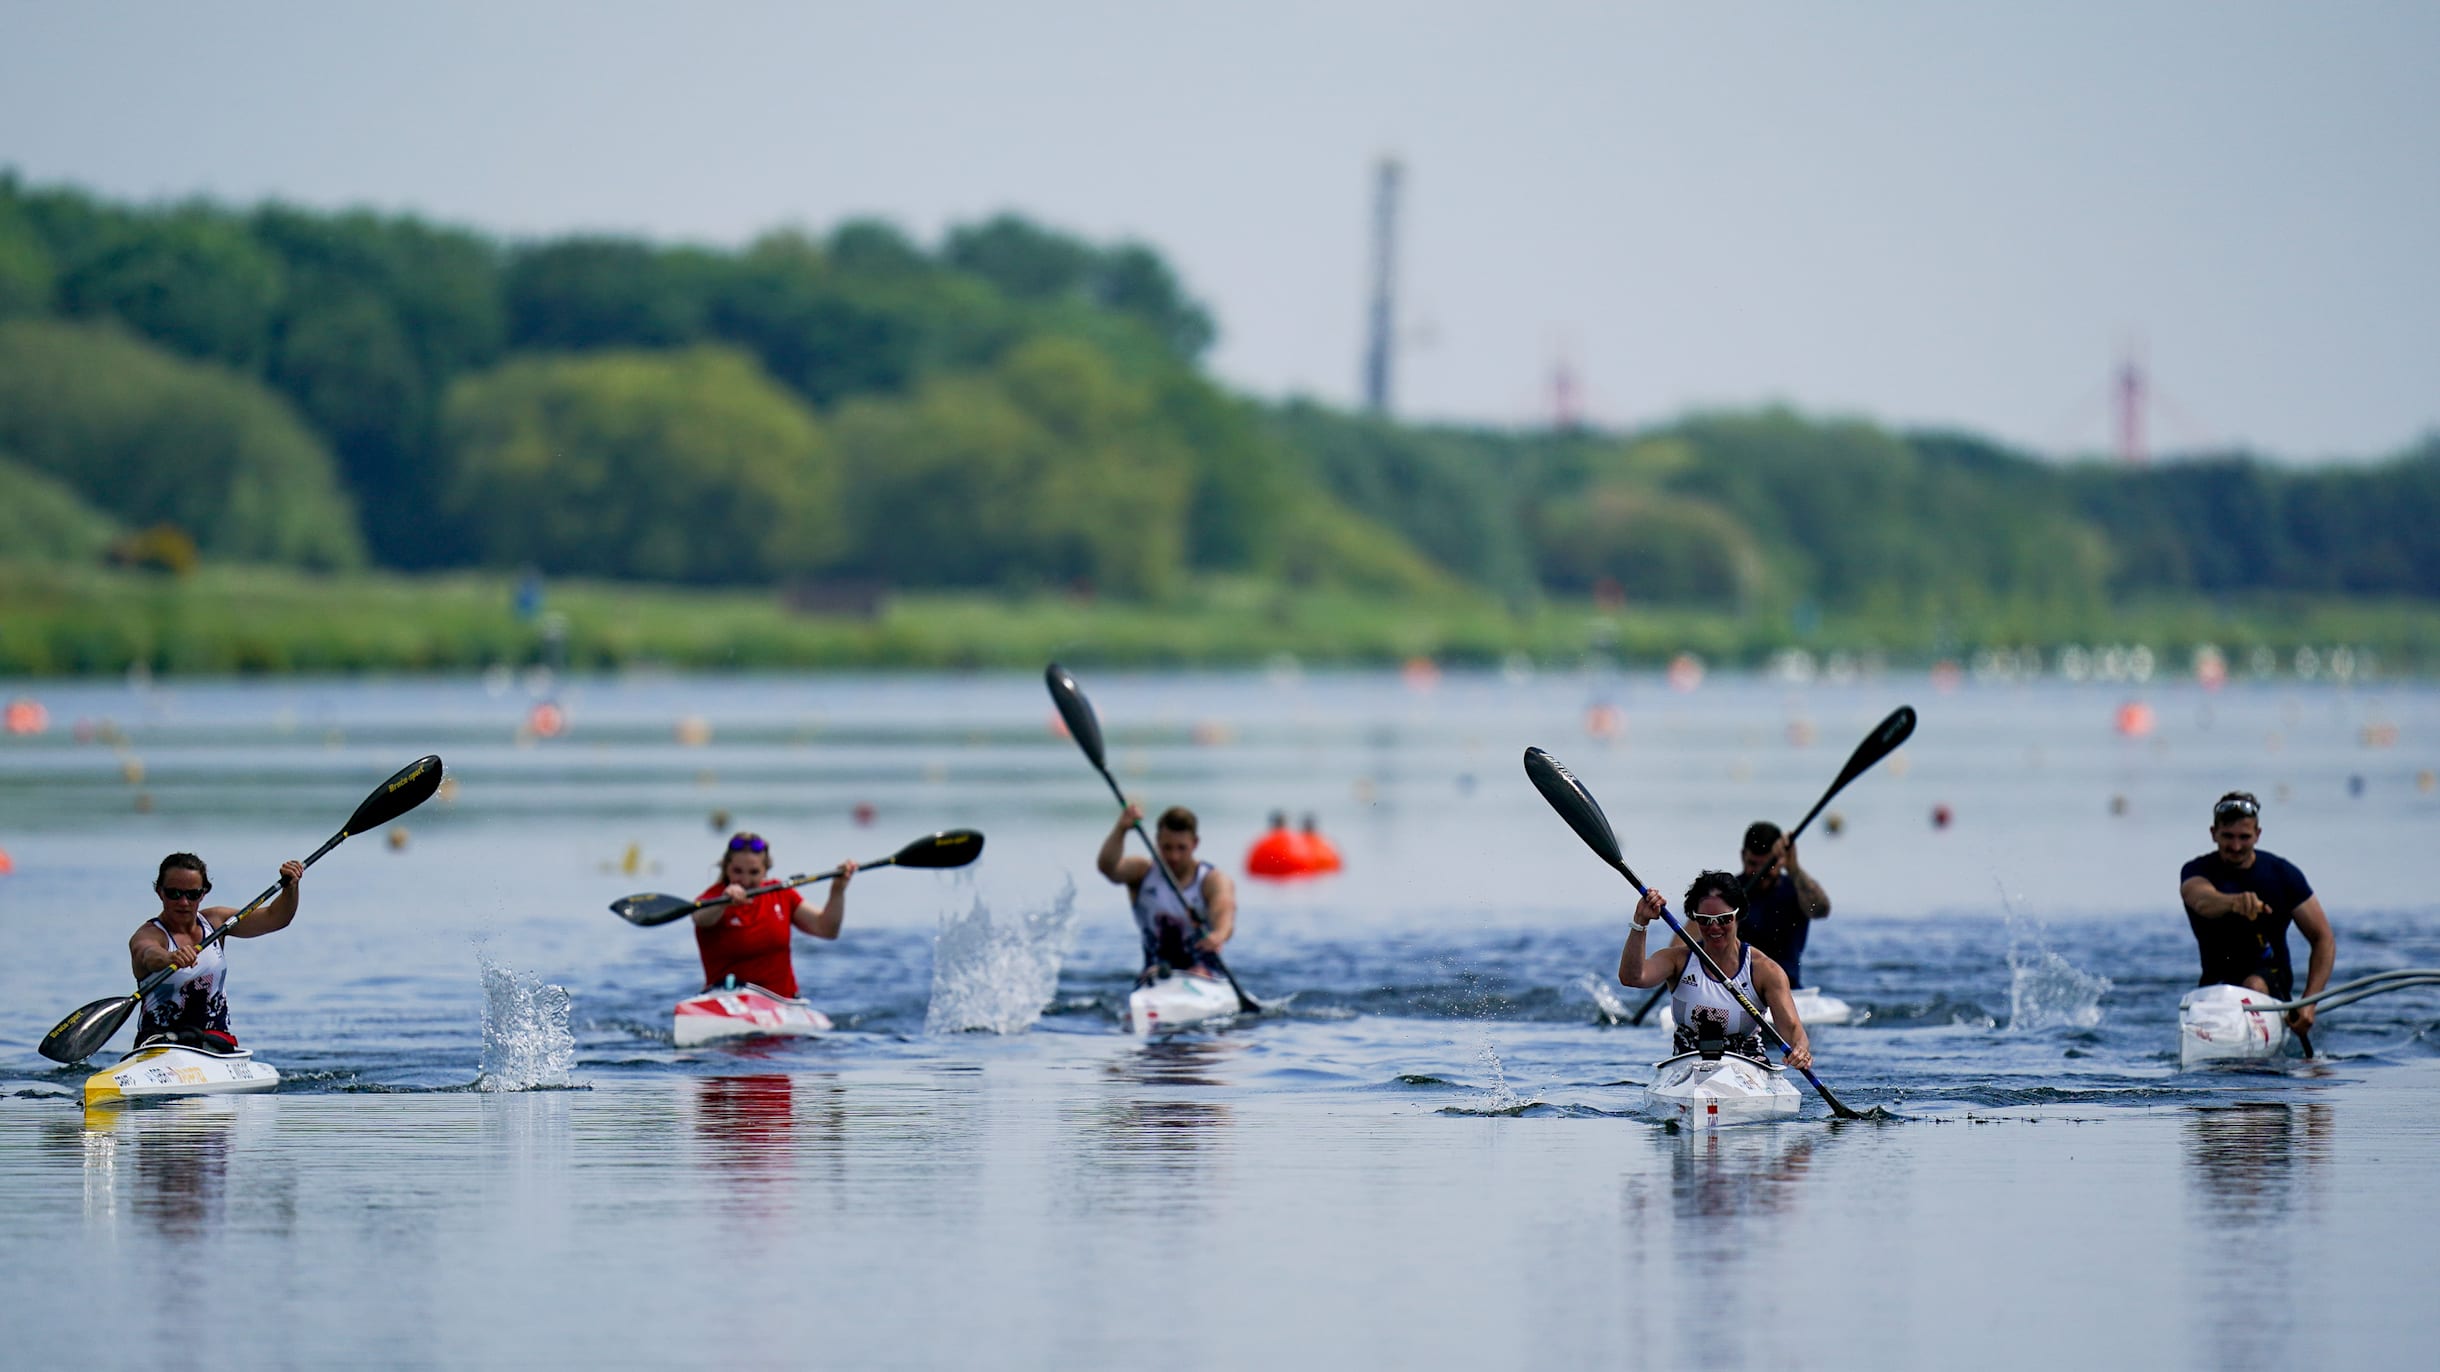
1815,1007
178,1070
1177,1000
2214,1025
1711,1093
741,1012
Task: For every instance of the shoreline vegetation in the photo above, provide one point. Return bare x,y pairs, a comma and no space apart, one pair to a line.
224,620
272,439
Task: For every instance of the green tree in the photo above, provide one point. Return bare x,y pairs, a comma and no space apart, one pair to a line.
26,273
42,520
152,438
192,280
686,466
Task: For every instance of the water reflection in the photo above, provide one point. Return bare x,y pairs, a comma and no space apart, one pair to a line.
2247,1166
1148,1147
1709,1222
168,1163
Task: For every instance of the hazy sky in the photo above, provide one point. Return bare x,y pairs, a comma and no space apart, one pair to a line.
1929,213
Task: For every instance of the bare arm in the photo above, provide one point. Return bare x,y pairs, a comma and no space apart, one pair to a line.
2314,923
1113,861
712,914
150,950
1772,981
1220,906
1638,968
2207,901
277,914
1809,893
825,922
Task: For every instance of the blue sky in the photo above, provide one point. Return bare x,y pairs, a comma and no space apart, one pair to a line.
1926,213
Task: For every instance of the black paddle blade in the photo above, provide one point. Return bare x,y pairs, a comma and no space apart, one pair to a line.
954,848
1075,711
1574,804
412,786
83,1033
1880,743
652,908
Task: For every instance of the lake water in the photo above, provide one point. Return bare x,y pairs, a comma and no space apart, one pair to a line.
487,1149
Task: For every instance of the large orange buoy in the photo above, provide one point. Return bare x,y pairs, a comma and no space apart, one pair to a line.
1321,855
1279,854
6,865
25,715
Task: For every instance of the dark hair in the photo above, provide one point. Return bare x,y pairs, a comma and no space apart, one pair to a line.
1730,891
1759,836
182,862
1177,819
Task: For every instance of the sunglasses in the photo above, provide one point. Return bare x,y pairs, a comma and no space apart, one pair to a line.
748,843
2244,807
184,892
1713,921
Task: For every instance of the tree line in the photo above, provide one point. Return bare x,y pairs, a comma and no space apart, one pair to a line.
1010,407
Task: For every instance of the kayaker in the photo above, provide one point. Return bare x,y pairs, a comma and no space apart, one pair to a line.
2240,901
191,1005
1782,898
1697,1000
1173,936
747,939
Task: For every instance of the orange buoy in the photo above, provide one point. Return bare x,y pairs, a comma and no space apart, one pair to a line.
1420,673
1685,672
1941,816
2135,719
547,720
1947,676
1604,722
1279,854
6,865
1321,855
25,715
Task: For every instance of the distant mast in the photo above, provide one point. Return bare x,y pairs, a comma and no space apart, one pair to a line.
1380,348
2130,409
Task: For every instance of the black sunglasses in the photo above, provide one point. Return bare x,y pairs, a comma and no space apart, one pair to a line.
183,892
2244,807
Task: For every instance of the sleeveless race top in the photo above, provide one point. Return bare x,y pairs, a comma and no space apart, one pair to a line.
191,998
751,940
1170,929
1696,999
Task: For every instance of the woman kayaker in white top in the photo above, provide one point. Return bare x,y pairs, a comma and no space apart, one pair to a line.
1700,999
192,1004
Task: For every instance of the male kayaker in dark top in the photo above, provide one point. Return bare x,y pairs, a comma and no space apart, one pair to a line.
1184,938
191,1005
2240,900
1782,898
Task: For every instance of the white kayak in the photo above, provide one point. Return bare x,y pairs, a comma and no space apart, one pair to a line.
1813,1006
1177,1000
748,1011
2214,1025
177,1070
1706,1093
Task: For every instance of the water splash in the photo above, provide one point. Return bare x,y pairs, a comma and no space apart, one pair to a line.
2045,990
995,975
526,1040
1605,999
1503,1099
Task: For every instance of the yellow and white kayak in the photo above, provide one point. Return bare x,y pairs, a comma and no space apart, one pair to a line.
173,1069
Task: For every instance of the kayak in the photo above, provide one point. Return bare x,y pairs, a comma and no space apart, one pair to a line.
1814,1007
1177,1000
1706,1093
2213,1025
178,1070
748,1011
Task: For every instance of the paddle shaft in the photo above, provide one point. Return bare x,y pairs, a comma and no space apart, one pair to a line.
1696,949
789,884
1746,885
1162,866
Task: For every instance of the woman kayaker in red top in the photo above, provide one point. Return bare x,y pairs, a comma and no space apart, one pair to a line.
747,939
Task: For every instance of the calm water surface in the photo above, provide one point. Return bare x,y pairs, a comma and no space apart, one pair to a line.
487,1149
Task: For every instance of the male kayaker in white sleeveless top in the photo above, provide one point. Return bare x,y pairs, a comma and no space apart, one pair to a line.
191,1005
1697,999
1173,935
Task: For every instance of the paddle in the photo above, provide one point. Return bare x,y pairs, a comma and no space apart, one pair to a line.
951,848
1583,814
1085,728
1878,744
83,1032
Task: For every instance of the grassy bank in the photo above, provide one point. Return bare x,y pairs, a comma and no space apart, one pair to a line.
57,621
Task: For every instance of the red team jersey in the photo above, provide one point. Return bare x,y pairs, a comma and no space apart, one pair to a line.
750,942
